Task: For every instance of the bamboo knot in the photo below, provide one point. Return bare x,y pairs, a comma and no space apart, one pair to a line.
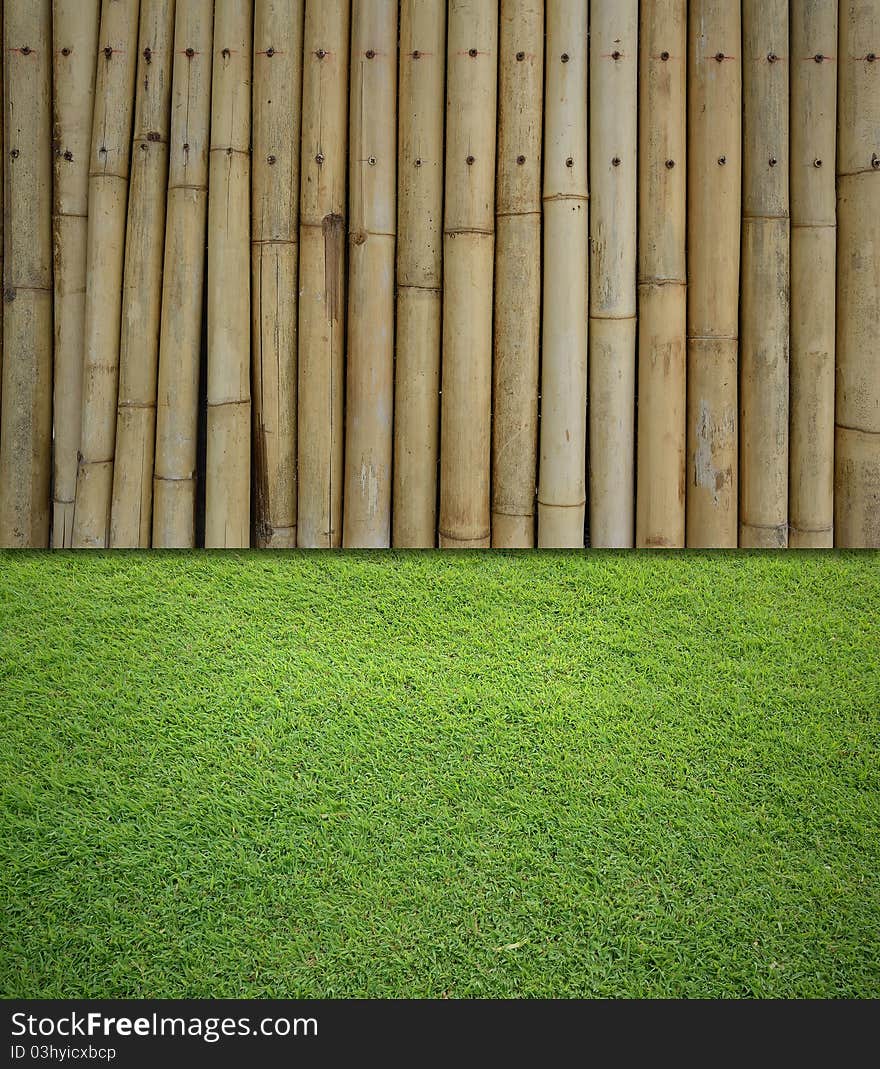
371,161
416,54
153,135
520,56
664,56
271,160
871,57
615,161
67,155
270,52
470,161
370,53
670,164
14,154
520,160
772,161
189,53
875,161
817,163
25,50
319,158
321,53
772,57
569,161
473,53
226,53
418,163
108,52
148,54
564,57
616,55
65,51
722,160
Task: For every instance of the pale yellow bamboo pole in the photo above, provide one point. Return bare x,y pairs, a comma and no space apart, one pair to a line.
419,272
369,409
278,40
468,255
857,415
813,111
109,160
765,280
321,362
661,437
562,474
714,197
26,423
517,274
75,49
228,460
613,179
132,502
174,479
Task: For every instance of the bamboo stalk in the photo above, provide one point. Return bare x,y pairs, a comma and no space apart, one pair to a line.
562,473
278,39
108,196
419,272
26,422
714,196
2,203
75,49
227,466
373,221
321,368
177,395
857,415
468,255
662,294
132,501
813,239
613,177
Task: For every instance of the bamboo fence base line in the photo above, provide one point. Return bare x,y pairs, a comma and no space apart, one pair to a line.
109,159
517,274
180,338
132,500
26,396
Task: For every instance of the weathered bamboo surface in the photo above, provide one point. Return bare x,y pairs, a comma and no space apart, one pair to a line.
508,273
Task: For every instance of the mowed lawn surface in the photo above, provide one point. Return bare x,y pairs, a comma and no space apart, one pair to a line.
440,775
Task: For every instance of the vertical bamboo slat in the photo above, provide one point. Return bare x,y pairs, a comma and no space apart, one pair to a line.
857,415
132,502
562,474
714,196
613,179
228,462
108,199
813,110
2,200
75,49
373,223
26,422
321,362
278,35
468,258
660,484
177,395
419,272
517,274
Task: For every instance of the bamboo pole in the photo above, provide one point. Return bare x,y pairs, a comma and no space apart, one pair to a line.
662,294
517,274
813,113
857,415
468,255
613,177
108,196
278,38
227,465
26,422
2,202
714,196
321,367
75,49
373,222
180,338
132,501
562,472
764,296
419,272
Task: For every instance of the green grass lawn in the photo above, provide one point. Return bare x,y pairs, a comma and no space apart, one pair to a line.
424,775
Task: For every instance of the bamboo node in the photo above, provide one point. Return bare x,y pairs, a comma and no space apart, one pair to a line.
772,161
319,158
569,162
271,160
370,53
270,52
664,56
470,161
520,160
615,161
108,52
564,57
189,52
817,163
371,160
670,164
25,50
720,57
14,154
416,54
616,56
473,53
148,54
520,56
154,135
871,57
772,57
67,155
321,53
65,51
875,161
818,58
722,160
418,163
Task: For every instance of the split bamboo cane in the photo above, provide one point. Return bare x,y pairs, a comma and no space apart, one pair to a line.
132,502
813,241
714,196
857,416
321,365
613,178
372,222
562,472
2,203
108,197
26,423
517,274
180,339
75,49
228,461
764,289
468,255
419,272
660,483
278,37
